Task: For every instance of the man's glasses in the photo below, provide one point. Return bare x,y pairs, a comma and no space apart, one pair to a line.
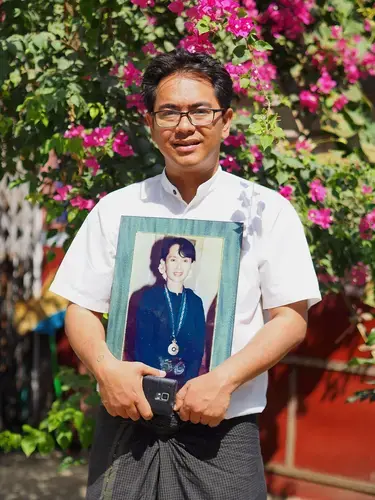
197,117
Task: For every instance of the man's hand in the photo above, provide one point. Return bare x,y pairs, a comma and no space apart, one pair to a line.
120,387
204,399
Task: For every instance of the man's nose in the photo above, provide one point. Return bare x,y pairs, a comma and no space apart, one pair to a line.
185,124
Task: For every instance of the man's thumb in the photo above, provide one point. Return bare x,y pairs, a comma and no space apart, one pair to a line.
149,370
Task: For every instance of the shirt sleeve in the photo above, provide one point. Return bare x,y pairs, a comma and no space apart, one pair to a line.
86,272
287,274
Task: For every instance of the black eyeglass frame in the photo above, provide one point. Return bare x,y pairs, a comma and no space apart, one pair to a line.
186,113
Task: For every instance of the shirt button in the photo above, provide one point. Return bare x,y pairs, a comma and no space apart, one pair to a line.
174,191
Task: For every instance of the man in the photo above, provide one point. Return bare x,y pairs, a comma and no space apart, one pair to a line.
170,323
210,448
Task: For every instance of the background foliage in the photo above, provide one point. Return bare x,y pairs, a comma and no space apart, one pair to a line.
71,116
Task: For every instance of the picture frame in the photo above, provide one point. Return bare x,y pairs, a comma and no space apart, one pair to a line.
158,299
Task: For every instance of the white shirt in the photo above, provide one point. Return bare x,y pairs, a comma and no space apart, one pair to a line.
275,269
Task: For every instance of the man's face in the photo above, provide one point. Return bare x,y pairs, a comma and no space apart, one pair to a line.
177,267
189,147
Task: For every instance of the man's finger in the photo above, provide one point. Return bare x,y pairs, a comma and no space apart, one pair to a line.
133,413
144,408
180,396
214,422
184,414
195,418
149,370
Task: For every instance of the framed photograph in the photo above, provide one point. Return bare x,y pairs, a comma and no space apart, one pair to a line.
174,293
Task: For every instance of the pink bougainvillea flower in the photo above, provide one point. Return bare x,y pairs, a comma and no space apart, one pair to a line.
197,43
136,101
240,26
304,145
369,61
366,189
309,100
177,7
288,17
62,192
97,138
215,10
82,203
258,158
326,278
336,32
235,140
150,48
367,25
339,103
121,146
251,8
325,83
286,191
143,4
321,217
74,131
132,75
367,226
230,164
317,191
114,71
92,162
151,20
359,274
352,73
101,195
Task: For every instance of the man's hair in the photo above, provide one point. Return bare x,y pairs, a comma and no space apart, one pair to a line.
183,62
186,248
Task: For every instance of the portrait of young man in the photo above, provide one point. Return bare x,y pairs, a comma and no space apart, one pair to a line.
209,449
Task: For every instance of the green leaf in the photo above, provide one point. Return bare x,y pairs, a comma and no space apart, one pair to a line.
354,93
29,444
282,177
159,32
66,463
292,162
64,64
356,116
261,45
168,46
93,111
46,445
86,433
72,214
268,163
265,141
64,438
245,83
239,50
371,338
337,125
15,77
367,147
361,361
78,419
203,25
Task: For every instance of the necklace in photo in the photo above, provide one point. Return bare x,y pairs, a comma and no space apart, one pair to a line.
173,347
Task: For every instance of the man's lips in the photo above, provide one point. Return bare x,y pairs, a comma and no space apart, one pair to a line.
186,147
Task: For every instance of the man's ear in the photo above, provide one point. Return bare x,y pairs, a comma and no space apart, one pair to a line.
149,120
227,119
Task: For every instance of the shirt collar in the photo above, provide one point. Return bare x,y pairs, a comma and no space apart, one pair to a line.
202,191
